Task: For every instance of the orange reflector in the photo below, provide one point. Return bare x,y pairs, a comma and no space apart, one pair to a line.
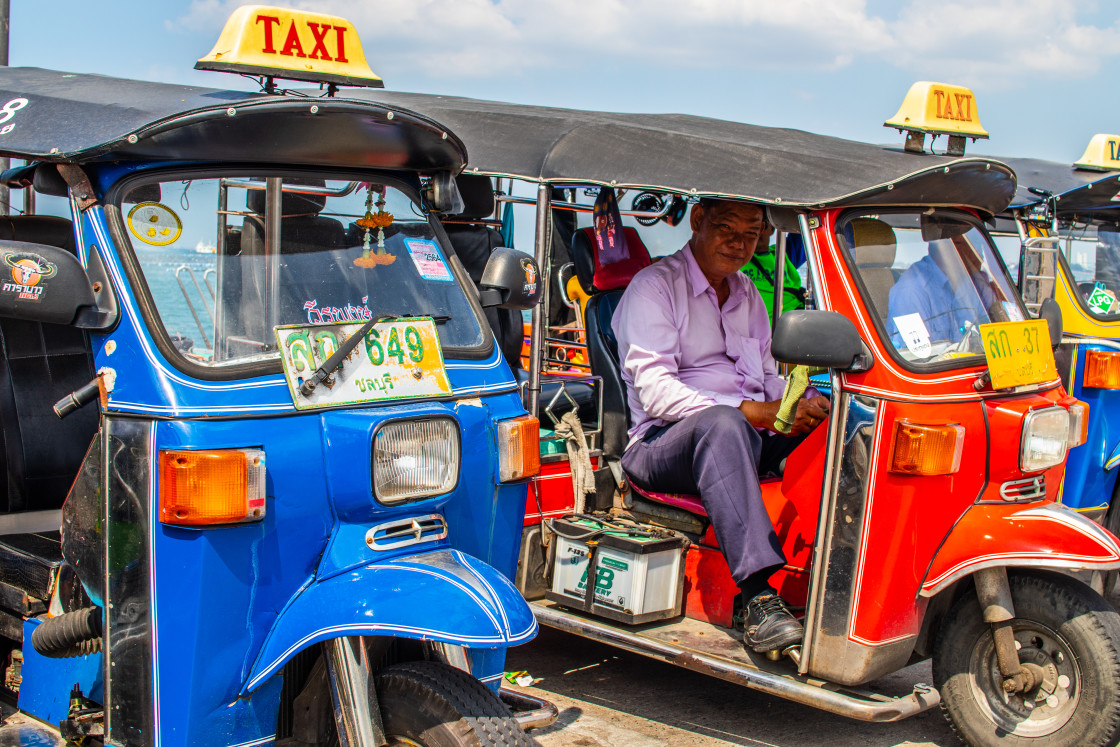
519,448
1102,370
926,449
211,487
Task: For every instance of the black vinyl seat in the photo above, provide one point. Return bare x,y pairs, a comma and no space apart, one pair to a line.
40,455
605,289
473,243
40,364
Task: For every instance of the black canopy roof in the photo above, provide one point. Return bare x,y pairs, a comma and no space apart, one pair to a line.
684,153
1077,190
85,118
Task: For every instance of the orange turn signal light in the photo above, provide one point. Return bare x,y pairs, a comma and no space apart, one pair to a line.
1102,370
519,448
920,449
211,487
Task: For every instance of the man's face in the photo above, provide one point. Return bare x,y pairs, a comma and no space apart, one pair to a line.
724,236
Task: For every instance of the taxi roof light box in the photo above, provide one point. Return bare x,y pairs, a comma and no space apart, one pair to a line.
639,575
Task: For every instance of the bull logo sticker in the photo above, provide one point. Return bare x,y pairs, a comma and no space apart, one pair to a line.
530,276
27,271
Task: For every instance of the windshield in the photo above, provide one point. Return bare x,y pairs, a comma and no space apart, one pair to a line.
1093,253
933,280
346,251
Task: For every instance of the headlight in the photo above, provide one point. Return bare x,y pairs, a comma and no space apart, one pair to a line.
415,459
1045,439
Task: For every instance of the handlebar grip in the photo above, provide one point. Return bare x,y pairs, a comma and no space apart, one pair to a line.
77,399
796,385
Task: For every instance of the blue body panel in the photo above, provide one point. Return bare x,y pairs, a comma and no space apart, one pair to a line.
443,596
1088,484
231,604
41,693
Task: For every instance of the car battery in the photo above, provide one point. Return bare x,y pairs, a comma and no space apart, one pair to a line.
638,570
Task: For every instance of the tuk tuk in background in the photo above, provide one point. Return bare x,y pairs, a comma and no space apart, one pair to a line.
291,476
920,521
1061,233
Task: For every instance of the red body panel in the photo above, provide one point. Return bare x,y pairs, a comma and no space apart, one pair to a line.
550,493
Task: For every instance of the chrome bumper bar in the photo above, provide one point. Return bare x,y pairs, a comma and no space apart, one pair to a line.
855,705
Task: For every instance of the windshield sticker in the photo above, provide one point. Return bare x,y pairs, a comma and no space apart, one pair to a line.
1012,311
428,260
337,314
1101,300
28,270
154,223
914,334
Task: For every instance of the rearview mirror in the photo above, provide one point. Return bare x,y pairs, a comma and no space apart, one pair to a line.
443,195
1052,313
511,280
46,284
823,339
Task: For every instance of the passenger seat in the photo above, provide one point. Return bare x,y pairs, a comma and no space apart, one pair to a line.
874,245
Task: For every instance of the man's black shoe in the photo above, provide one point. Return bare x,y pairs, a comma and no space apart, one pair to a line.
770,624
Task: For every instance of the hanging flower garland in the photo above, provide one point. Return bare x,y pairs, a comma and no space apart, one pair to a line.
379,220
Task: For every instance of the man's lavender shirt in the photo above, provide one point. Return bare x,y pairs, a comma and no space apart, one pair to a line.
682,353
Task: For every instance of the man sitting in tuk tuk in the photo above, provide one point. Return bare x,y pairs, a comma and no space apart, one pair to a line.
704,391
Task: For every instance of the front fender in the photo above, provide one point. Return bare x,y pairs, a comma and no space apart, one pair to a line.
1048,535
444,596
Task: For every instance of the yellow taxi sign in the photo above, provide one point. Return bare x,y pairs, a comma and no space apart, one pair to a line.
939,108
1103,154
1018,353
291,44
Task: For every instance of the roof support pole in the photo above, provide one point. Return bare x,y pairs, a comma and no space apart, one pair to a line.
779,275
5,23
273,194
542,253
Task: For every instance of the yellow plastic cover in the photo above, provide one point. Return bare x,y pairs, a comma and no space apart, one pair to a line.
285,43
1103,154
939,108
1018,353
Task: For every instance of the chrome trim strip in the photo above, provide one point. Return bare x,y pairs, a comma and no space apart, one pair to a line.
1026,489
412,530
823,544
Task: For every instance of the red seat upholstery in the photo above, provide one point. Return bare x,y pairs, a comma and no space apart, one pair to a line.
690,503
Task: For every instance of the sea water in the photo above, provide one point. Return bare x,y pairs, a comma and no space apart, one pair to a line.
175,276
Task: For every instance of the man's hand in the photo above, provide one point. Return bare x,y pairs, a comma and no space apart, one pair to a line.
810,413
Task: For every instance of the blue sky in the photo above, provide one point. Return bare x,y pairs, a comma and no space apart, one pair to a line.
1040,68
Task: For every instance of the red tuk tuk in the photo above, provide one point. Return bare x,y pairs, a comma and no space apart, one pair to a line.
919,521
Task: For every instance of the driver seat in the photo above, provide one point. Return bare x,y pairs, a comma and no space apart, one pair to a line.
605,285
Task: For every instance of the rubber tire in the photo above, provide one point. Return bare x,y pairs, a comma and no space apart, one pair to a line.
1090,628
439,706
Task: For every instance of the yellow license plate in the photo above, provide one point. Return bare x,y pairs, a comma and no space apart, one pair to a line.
398,359
1018,353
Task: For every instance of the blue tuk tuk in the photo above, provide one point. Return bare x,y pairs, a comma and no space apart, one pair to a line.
291,476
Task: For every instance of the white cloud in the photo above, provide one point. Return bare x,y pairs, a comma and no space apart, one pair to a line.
1003,42
996,43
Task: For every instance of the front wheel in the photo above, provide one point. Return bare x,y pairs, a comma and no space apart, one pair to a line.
1064,631
429,704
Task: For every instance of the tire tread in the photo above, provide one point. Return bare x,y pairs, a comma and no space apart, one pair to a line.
457,696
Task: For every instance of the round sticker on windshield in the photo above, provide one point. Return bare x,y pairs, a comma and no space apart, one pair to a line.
154,223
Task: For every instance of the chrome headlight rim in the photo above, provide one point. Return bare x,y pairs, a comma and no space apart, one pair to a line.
1027,435
457,437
